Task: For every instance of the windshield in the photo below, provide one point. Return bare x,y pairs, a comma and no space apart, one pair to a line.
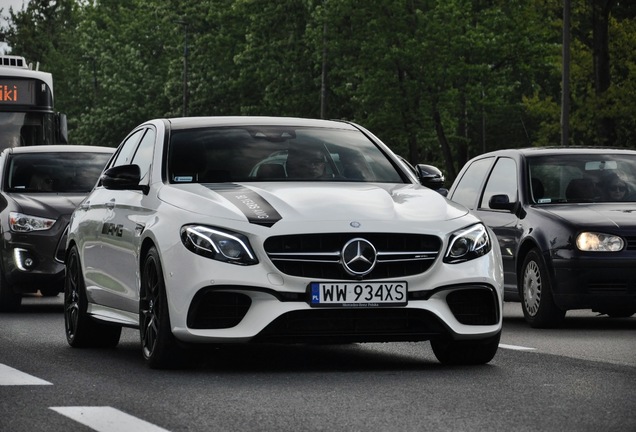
54,172
255,153
582,178
26,129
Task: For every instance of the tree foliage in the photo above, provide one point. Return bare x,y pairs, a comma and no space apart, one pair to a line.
438,80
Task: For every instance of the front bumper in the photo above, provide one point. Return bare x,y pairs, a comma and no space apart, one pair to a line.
456,301
598,283
34,260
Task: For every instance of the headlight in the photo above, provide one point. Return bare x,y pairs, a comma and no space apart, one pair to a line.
467,244
218,245
598,242
24,223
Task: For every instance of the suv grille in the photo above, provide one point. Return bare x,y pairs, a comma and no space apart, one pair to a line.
320,255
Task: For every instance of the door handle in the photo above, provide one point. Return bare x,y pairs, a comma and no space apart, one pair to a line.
110,204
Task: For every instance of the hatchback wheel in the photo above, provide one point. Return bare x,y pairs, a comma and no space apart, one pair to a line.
466,352
81,330
537,301
160,348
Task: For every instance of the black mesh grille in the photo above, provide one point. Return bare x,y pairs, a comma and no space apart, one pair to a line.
217,310
319,255
354,325
474,306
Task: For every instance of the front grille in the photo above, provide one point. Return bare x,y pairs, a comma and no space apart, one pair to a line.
320,255
631,243
217,310
474,306
609,288
353,325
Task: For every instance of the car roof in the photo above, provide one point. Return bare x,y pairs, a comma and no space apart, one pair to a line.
194,122
553,151
60,148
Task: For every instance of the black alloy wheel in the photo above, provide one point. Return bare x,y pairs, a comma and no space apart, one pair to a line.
466,352
160,348
81,330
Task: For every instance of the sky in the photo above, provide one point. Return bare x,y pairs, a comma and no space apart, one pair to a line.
17,5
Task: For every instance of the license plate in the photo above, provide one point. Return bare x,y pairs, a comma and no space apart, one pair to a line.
358,294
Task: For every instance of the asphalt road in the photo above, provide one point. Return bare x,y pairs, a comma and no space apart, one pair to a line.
581,377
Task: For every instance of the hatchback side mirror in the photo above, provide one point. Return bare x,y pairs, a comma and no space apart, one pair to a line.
122,177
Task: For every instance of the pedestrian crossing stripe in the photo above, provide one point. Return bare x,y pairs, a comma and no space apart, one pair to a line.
10,376
107,419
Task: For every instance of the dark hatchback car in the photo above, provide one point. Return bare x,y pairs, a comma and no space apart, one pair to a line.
40,186
565,219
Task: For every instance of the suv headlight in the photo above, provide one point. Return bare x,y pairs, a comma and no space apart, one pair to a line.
468,243
599,242
218,245
19,222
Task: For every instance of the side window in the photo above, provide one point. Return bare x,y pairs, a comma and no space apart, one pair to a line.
502,180
467,189
127,149
143,155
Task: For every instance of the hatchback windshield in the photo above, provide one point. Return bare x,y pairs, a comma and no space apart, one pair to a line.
260,153
583,178
54,172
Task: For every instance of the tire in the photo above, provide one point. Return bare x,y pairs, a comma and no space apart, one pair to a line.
535,290
10,301
160,348
466,352
81,330
50,291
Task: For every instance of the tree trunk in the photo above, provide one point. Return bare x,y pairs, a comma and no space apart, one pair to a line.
600,51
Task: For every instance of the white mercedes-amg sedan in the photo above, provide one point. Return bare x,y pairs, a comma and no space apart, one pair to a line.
275,230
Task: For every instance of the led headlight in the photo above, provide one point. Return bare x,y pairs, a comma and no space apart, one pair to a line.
467,244
599,242
218,245
24,223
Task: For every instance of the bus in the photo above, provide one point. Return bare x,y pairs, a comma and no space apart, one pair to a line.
27,116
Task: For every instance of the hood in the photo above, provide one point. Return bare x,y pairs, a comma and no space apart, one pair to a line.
49,205
267,203
619,215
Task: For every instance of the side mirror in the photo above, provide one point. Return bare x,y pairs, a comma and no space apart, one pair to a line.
122,177
430,176
501,202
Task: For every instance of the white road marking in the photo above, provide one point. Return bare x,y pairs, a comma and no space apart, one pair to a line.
516,347
11,376
107,419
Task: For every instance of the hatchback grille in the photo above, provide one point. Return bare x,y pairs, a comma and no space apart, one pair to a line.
320,255
631,243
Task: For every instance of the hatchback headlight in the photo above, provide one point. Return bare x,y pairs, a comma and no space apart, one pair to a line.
467,244
599,242
218,245
19,222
